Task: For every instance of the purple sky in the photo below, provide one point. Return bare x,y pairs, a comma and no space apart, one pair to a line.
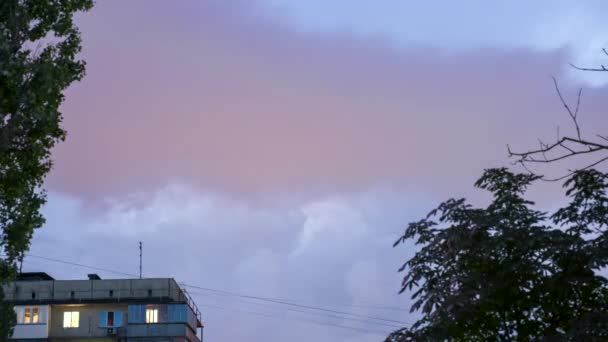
278,148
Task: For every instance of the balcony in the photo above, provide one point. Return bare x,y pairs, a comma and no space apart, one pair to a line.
158,330
147,290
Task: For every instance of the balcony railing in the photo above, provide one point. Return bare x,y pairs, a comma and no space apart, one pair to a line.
106,290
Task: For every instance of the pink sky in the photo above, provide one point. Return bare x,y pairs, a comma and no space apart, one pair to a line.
238,102
257,156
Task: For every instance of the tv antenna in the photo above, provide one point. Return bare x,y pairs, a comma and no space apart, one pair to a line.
140,253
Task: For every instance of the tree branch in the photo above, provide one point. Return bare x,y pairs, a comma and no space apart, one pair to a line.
603,68
573,115
572,146
573,172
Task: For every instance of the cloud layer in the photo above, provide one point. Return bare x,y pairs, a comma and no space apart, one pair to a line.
332,252
273,148
210,93
538,26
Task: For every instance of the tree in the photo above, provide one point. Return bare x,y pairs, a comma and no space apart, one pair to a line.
569,146
508,272
39,44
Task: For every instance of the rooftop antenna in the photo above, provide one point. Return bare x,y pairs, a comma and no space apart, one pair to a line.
140,250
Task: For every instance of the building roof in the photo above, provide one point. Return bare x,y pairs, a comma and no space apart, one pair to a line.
32,276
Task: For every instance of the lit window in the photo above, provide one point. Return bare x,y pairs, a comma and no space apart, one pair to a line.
34,315
151,315
27,316
71,319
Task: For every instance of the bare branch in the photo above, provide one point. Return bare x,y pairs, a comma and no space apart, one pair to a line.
573,172
525,167
567,148
543,148
551,160
559,143
603,68
578,102
565,104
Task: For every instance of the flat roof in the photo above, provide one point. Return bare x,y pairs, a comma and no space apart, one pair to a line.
29,276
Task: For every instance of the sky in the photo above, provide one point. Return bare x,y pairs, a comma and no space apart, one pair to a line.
277,148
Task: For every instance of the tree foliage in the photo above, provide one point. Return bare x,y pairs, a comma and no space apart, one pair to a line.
39,44
508,272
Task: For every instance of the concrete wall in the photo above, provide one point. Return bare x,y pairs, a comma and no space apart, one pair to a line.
86,290
88,323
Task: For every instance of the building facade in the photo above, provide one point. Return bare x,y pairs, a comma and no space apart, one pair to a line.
130,310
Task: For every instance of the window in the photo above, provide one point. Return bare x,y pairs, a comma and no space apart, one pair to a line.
71,319
110,319
151,314
28,315
35,315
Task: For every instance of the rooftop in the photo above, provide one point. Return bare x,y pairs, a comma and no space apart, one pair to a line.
41,288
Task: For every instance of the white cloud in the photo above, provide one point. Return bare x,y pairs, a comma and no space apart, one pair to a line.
333,251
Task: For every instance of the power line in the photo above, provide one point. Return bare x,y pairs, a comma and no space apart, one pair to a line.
82,265
289,303
374,319
320,314
209,289
263,314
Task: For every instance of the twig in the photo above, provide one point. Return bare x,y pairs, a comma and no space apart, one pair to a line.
567,148
603,68
565,104
575,171
545,160
558,143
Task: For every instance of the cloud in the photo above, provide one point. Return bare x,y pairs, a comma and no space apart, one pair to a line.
331,251
252,155
539,26
216,95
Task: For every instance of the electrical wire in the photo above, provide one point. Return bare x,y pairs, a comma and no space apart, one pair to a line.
315,310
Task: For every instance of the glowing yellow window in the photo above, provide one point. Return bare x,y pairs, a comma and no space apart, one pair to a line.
27,317
34,315
71,319
151,315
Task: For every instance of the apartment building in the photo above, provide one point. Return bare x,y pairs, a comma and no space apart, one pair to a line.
95,309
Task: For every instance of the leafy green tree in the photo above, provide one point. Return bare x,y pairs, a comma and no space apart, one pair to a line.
39,44
508,272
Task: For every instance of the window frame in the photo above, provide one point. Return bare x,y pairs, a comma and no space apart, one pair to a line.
70,323
152,314
29,315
